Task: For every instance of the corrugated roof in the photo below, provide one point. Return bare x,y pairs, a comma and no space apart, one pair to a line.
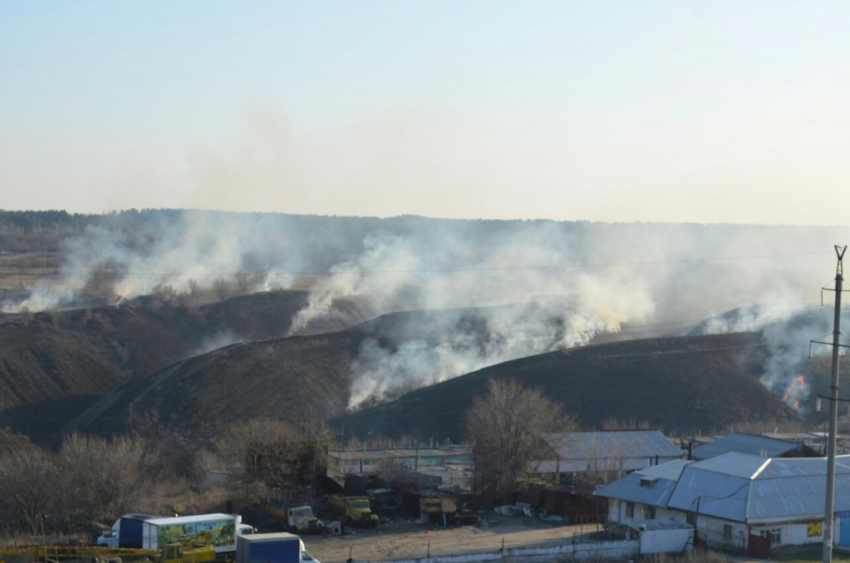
739,487
745,443
670,470
629,488
748,488
398,453
617,444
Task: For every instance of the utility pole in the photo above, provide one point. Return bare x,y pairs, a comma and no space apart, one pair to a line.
829,513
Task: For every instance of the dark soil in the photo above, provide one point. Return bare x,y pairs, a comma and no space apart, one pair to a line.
677,384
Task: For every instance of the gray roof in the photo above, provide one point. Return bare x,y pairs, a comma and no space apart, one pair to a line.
670,470
617,444
629,487
747,488
745,443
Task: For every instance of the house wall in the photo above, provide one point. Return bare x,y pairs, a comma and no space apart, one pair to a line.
793,534
712,531
617,512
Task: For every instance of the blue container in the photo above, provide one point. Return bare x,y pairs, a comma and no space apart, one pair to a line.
269,548
131,531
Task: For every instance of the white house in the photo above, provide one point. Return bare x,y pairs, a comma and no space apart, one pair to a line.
643,495
738,501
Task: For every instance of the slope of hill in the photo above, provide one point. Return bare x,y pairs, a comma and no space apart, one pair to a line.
54,365
300,379
705,382
678,384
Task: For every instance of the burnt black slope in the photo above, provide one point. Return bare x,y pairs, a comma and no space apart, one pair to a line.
301,379
54,365
297,379
704,382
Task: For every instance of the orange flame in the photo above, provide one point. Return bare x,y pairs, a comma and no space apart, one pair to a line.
793,389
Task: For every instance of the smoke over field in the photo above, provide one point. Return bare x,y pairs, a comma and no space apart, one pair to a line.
536,285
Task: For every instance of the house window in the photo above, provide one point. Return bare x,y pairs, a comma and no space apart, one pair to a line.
775,535
630,510
727,532
691,519
649,513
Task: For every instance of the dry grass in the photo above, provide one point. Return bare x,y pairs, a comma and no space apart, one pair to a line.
807,554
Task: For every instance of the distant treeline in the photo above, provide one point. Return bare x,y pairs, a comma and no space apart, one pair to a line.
31,221
333,238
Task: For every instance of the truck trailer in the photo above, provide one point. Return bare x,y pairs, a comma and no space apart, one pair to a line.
128,531
217,530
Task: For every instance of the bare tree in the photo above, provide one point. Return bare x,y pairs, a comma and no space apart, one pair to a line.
505,426
222,289
29,485
268,457
103,479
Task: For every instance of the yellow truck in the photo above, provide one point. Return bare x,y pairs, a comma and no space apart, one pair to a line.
356,510
297,518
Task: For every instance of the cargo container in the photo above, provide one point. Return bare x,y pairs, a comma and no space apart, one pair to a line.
272,548
218,530
125,532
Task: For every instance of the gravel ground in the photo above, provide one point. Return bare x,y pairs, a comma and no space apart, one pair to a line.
404,540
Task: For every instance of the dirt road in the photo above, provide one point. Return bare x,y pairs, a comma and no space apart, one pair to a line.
407,540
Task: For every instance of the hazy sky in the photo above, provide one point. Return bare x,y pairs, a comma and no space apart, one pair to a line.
705,111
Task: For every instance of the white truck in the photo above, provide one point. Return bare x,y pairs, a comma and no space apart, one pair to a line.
143,531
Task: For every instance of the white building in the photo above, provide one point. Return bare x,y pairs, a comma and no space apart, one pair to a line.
738,501
616,452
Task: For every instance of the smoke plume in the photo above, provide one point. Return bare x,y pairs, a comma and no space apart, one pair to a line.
485,291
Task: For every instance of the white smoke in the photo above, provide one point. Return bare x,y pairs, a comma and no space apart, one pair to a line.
536,286
217,340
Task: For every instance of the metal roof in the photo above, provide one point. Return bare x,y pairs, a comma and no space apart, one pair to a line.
745,443
617,444
398,453
747,488
629,488
670,470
